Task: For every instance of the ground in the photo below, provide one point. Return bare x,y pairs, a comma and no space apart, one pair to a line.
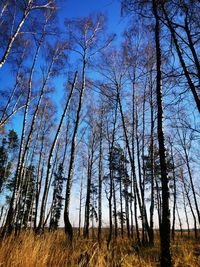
52,249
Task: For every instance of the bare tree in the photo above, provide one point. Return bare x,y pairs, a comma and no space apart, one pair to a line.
27,8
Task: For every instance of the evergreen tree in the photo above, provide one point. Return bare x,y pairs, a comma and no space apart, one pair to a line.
57,202
8,146
29,193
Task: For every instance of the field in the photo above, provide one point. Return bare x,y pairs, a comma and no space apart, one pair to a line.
52,249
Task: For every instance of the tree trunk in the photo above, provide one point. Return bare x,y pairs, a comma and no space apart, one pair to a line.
100,178
186,213
134,181
174,200
121,208
80,207
45,195
183,64
68,226
179,219
111,147
115,209
165,224
151,222
130,158
190,204
88,194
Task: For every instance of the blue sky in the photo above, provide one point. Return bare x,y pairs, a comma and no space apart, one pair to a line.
72,9
80,8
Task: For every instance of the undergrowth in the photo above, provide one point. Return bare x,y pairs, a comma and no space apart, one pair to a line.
52,249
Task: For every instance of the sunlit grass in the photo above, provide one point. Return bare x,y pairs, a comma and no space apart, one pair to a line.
52,249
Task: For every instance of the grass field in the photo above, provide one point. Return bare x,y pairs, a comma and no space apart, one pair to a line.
52,249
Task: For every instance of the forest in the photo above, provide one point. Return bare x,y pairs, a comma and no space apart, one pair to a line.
100,134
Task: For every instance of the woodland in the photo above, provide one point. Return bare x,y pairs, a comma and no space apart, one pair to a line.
100,135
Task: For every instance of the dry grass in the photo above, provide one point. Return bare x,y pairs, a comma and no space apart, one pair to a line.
52,249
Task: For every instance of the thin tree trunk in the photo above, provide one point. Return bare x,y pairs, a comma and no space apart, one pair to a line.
186,213
34,118
134,181
192,47
45,195
121,208
183,64
100,179
159,203
127,202
38,182
165,224
131,208
68,226
190,204
179,219
174,199
111,147
88,194
151,222
80,207
140,179
130,156
115,208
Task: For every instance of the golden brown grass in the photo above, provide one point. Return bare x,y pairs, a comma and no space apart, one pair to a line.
52,249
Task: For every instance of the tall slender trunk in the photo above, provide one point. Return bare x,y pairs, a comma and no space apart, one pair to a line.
68,226
100,178
53,170
151,222
111,147
174,193
121,208
130,156
142,211
165,224
80,207
126,187
88,194
192,184
140,178
115,208
38,181
192,47
131,208
142,187
159,203
49,163
134,181
34,118
185,210
179,219
189,202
